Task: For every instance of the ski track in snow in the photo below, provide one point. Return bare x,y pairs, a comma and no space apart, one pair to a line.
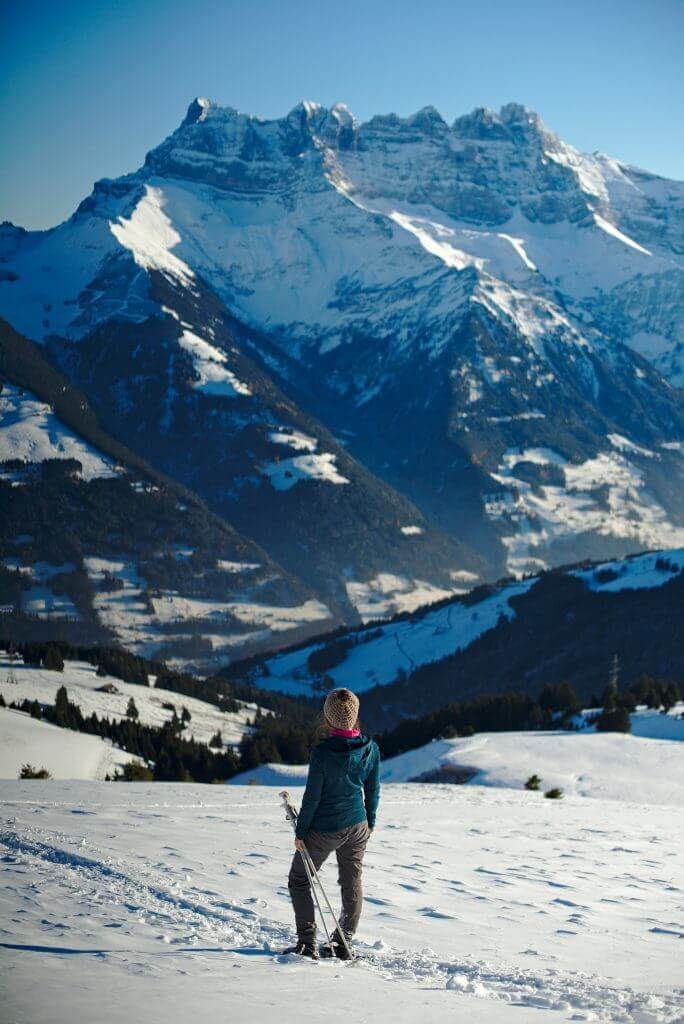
109,892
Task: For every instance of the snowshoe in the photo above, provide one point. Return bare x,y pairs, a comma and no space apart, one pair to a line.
309,949
336,948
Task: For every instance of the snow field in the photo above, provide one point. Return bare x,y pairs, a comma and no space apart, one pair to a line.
309,465
83,688
65,754
389,594
607,766
540,515
30,431
213,377
635,573
645,766
400,646
139,625
480,905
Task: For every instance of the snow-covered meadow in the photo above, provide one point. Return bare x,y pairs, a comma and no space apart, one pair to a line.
647,766
65,754
31,432
162,902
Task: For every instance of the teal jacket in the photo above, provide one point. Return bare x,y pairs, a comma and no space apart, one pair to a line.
343,787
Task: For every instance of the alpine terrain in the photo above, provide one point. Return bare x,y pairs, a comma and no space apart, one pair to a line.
386,361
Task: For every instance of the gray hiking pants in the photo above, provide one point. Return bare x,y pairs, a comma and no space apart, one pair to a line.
350,845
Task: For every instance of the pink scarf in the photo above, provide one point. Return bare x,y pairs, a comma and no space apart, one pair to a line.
347,734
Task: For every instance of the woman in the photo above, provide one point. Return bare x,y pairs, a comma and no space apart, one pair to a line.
337,814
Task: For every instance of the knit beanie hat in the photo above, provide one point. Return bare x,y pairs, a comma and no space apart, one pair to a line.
341,709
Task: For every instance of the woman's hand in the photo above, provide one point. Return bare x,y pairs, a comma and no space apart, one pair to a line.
299,845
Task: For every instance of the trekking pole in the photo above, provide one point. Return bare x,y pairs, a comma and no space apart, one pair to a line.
312,874
291,815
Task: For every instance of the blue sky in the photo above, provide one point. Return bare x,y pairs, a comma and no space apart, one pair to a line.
87,88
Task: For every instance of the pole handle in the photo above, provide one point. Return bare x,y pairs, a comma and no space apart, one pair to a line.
290,809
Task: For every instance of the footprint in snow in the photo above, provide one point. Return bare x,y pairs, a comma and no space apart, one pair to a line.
433,912
256,901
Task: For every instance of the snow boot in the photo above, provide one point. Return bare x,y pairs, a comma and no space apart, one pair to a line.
337,947
309,949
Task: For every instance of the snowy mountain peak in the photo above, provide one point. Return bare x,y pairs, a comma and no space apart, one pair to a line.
342,113
305,110
481,123
210,128
514,122
198,110
428,119
519,113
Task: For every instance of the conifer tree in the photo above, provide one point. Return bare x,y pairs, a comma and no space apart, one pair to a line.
614,720
63,716
54,660
609,698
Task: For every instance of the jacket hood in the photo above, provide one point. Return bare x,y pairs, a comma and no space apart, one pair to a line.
356,749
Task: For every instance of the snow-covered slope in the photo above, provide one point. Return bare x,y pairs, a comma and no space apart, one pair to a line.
65,754
490,906
386,654
377,656
89,691
446,300
31,433
607,766
646,767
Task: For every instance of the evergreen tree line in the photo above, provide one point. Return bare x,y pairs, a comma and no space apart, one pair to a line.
653,693
281,740
506,712
289,739
293,726
554,708
113,661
